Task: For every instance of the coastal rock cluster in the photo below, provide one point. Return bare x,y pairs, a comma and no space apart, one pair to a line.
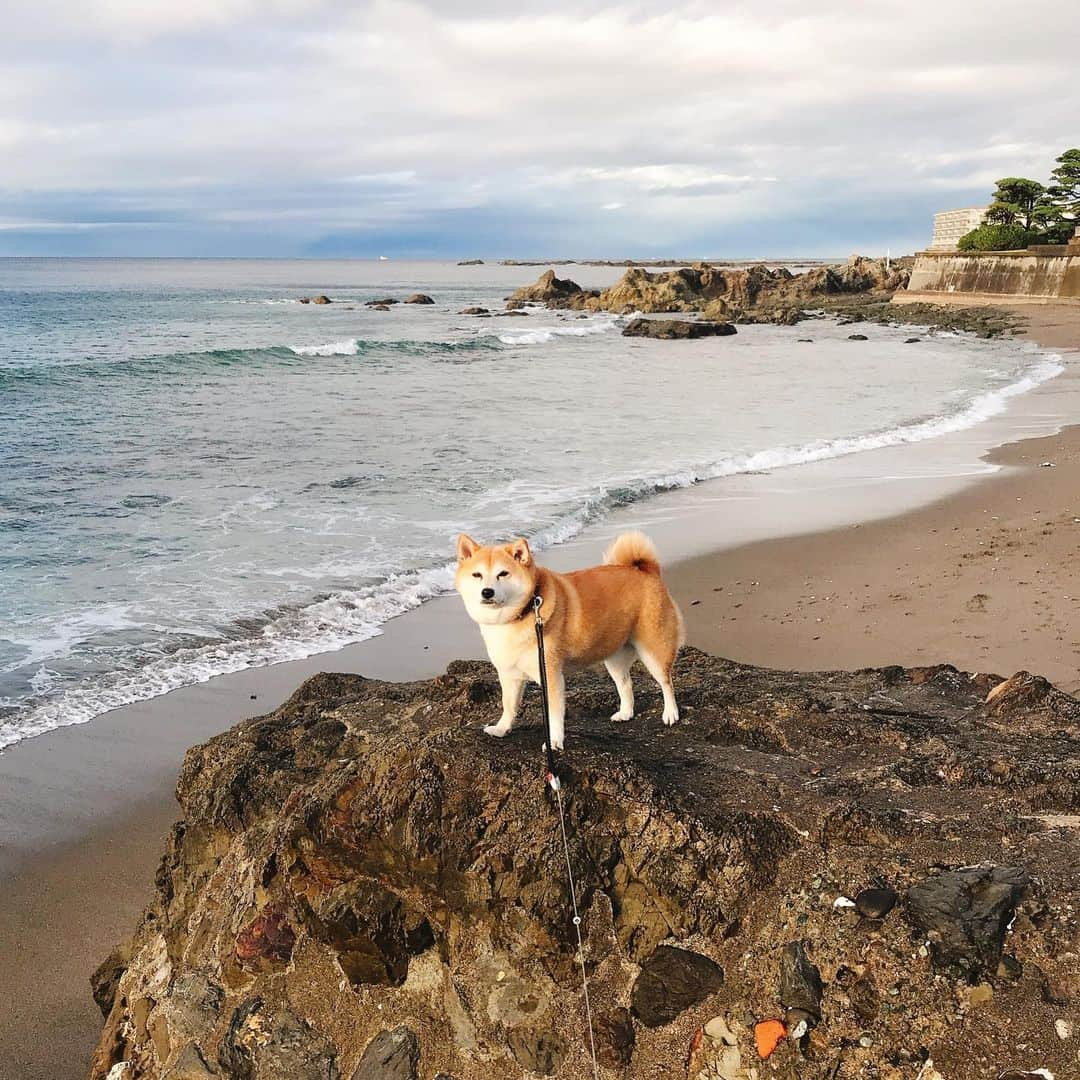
853,874
751,294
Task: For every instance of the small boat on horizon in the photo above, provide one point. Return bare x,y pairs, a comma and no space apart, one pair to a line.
384,258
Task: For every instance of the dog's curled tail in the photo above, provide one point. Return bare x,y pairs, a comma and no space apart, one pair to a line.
634,549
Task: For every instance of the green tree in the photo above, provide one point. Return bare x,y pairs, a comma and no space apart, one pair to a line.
991,237
1016,201
1064,188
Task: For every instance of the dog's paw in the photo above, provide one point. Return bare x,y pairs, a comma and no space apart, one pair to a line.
498,730
622,716
556,746
671,717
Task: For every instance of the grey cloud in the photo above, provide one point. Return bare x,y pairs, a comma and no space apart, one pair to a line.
311,126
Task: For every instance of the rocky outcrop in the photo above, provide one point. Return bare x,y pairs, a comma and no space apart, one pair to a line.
673,329
364,885
474,311
747,294
320,299
547,290
419,298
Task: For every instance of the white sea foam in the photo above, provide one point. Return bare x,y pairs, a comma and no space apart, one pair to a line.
340,619
350,616
543,335
349,347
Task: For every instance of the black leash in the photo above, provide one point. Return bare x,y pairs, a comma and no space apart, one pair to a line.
552,775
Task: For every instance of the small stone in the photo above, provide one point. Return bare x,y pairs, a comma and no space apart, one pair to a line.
1064,1029
717,1029
615,1038
729,1064
875,903
857,337
866,1040
800,982
1009,968
981,994
541,1052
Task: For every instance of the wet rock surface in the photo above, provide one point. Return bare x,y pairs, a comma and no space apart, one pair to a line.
365,861
674,329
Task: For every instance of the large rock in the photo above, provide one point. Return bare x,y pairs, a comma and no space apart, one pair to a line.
546,289
965,914
364,859
267,1043
676,329
419,298
670,982
745,294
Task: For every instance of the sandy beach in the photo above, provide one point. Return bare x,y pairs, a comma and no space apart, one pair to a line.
985,578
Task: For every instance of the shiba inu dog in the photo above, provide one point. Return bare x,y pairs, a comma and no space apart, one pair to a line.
618,613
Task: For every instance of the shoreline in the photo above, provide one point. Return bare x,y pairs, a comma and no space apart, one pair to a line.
91,803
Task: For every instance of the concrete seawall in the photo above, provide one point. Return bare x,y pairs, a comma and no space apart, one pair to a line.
1034,275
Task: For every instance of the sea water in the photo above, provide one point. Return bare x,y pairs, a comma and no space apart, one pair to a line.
198,473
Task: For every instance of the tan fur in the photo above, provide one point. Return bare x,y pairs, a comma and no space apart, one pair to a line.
617,613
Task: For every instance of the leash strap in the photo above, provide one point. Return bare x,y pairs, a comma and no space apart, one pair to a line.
553,780
552,775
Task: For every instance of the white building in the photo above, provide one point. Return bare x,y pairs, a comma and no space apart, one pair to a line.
950,225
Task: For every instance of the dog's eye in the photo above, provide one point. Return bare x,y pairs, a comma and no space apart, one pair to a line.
477,574
503,573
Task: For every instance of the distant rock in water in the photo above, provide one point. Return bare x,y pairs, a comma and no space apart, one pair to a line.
671,329
419,298
379,307
474,311
471,262
364,885
320,299
547,288
385,301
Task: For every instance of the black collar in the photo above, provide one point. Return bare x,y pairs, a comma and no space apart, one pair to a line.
529,606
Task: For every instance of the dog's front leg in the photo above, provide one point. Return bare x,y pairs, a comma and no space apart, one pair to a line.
513,686
556,703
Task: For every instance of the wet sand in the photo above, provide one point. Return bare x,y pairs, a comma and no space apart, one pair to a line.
986,578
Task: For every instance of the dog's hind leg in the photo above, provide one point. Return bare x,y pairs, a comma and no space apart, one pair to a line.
618,665
659,657
513,687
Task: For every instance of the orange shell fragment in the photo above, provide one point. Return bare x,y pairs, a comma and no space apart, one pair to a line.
769,1035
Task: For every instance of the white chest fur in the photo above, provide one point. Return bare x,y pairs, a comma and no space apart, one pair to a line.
512,647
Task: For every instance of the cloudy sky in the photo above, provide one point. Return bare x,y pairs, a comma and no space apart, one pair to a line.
307,128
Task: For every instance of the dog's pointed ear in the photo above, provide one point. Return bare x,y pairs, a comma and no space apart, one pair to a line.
467,547
519,550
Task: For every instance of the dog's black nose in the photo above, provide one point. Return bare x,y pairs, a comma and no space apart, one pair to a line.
487,594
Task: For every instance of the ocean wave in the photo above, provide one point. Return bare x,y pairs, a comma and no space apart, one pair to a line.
543,335
224,359
343,618
349,616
